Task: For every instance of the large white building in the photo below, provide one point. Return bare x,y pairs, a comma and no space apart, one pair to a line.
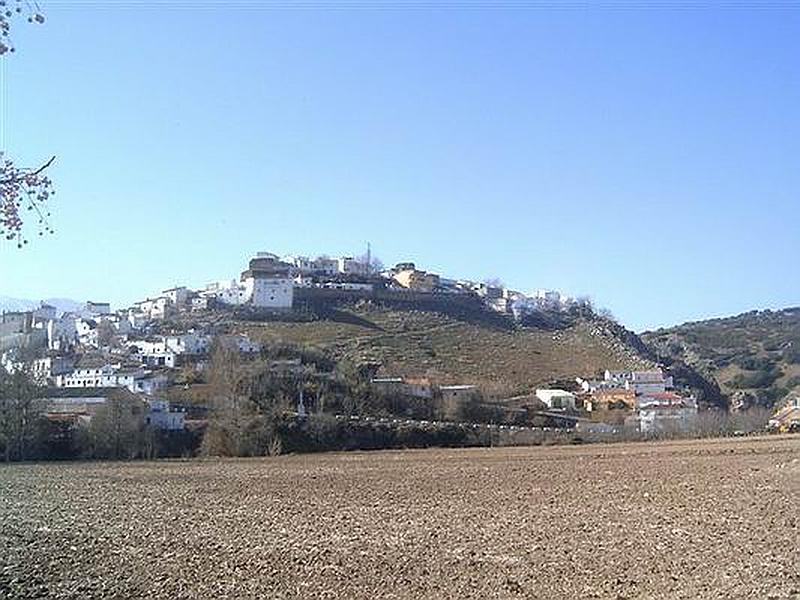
100,377
269,292
665,412
268,283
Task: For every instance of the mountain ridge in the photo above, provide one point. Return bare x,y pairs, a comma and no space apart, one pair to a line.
753,357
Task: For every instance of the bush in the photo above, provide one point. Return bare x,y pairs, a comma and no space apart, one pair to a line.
758,379
755,363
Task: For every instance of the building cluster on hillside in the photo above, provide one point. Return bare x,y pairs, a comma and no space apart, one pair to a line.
97,348
84,355
271,282
645,401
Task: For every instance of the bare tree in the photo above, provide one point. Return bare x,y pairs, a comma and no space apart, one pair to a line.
116,429
226,379
18,392
22,189
247,406
106,333
607,314
374,264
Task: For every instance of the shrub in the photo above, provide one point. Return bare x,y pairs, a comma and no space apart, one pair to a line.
758,379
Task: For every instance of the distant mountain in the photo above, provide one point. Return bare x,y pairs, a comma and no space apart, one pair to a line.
753,357
16,304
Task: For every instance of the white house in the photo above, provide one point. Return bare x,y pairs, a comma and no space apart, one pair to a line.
351,266
302,264
199,303
159,359
267,282
265,291
326,266
153,308
641,382
501,305
91,377
188,343
232,292
557,399
45,370
665,412
178,296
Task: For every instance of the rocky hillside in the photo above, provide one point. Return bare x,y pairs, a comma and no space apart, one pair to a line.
753,357
503,357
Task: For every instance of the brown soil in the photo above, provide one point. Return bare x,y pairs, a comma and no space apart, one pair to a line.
711,519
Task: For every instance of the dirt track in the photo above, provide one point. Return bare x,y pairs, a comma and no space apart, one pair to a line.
715,519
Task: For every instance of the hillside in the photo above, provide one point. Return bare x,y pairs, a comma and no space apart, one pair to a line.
500,356
754,357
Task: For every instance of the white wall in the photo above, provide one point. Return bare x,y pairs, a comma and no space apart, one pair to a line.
268,292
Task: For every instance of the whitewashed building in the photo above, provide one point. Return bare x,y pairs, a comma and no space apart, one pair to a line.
188,343
153,308
45,370
326,266
229,292
100,377
267,282
351,266
556,399
665,412
302,265
178,296
641,382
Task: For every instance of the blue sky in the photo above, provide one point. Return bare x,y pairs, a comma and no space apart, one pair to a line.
648,158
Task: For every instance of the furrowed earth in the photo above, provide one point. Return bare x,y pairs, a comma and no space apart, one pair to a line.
688,519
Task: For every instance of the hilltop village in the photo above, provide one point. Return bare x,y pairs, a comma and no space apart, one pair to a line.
166,342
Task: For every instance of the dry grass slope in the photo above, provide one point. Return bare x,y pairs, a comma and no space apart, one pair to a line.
418,343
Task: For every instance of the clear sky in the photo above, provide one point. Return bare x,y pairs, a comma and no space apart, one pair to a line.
647,158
